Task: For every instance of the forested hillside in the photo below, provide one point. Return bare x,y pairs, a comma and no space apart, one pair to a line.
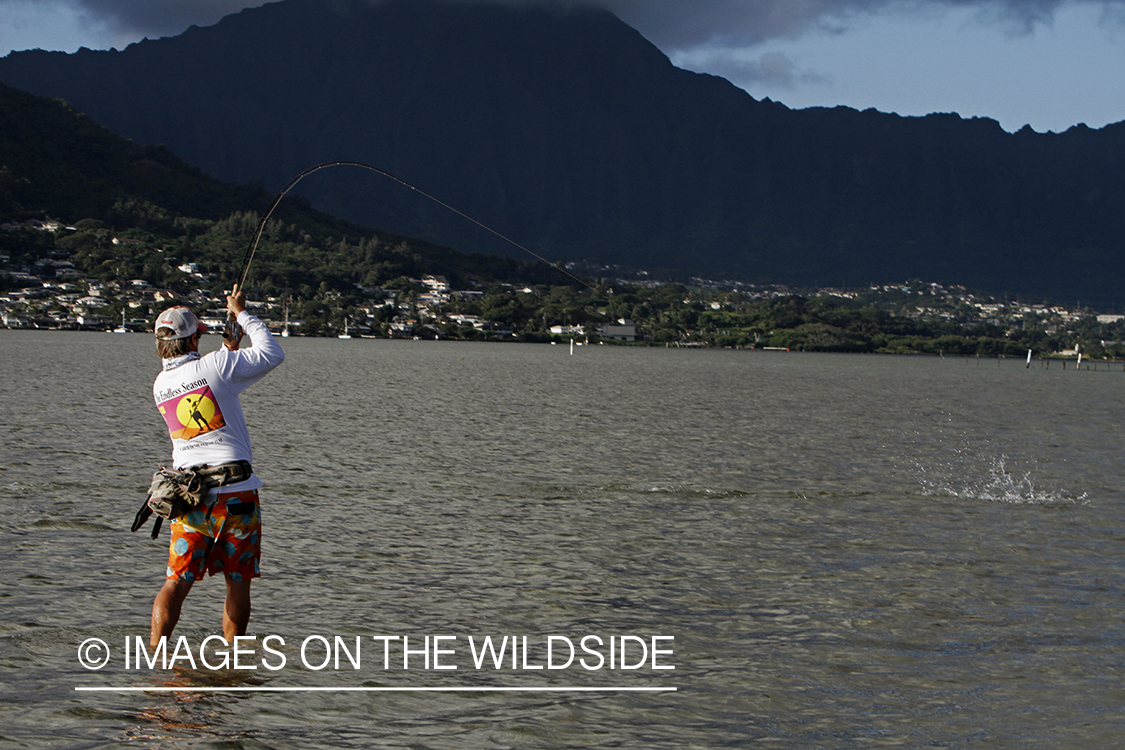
97,228
568,131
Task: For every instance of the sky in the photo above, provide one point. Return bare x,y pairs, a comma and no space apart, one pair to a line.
1050,64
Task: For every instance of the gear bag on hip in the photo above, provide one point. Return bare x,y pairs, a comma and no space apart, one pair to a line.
175,493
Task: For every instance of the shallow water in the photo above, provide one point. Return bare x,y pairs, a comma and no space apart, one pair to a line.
849,551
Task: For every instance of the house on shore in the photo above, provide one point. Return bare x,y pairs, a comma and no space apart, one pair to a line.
622,329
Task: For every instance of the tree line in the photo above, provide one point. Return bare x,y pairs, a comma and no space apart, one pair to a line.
328,272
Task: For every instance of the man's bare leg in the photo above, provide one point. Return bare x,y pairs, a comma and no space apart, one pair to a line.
236,611
166,608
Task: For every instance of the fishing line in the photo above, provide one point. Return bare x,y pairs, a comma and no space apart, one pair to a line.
292,183
232,326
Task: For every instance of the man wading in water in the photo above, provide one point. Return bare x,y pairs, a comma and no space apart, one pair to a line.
198,397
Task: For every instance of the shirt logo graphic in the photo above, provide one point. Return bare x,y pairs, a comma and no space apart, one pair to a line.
192,414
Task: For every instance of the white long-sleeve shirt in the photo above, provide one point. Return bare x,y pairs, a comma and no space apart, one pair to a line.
198,398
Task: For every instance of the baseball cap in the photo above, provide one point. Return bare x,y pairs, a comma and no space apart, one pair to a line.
181,320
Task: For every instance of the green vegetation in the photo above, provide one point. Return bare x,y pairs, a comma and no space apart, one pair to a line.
146,229
325,273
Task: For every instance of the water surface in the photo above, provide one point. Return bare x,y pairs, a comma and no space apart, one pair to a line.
849,551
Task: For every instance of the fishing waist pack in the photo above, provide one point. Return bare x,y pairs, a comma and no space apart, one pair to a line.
175,493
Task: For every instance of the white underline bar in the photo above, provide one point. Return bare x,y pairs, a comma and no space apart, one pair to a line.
137,689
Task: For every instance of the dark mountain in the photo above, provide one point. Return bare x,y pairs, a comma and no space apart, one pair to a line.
569,132
57,163
55,160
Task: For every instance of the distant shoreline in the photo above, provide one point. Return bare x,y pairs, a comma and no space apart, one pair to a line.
1043,361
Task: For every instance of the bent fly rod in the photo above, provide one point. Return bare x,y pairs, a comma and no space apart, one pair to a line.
232,332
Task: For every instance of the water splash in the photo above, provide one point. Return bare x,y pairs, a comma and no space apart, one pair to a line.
1000,485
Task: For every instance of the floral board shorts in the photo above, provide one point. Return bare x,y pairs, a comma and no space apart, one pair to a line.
224,535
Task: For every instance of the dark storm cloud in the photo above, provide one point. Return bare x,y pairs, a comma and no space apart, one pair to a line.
772,69
156,18
682,24
671,24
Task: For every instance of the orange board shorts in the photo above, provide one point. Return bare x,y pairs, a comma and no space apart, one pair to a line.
225,536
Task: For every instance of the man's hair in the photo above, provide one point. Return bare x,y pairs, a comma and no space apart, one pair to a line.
167,348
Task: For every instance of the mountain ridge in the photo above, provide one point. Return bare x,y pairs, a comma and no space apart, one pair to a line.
568,131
